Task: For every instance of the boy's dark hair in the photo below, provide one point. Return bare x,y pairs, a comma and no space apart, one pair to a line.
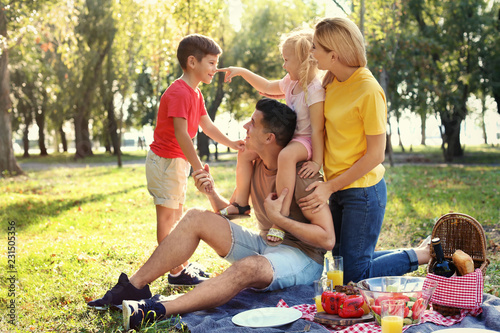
278,119
198,46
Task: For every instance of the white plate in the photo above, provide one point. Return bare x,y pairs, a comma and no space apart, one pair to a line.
267,317
464,330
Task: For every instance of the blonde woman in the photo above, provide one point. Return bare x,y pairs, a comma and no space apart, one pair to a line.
355,125
303,94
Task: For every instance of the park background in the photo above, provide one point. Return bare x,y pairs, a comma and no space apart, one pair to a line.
81,81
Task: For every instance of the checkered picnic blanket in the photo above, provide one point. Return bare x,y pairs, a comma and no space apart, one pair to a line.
309,310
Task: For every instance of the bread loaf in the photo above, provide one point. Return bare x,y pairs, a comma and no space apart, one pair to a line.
463,262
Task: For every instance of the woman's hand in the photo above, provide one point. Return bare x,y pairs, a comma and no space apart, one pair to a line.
317,199
309,169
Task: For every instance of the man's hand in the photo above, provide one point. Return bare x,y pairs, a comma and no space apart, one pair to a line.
316,199
203,180
273,204
309,169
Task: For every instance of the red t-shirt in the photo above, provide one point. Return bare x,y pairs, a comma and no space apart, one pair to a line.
179,100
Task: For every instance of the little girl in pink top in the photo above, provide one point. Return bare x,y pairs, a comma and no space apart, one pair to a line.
305,95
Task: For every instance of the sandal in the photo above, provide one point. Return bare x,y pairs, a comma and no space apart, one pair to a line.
243,212
273,232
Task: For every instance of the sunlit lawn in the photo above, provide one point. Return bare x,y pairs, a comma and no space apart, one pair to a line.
79,227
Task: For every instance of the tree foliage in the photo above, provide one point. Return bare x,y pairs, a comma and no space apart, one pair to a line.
103,65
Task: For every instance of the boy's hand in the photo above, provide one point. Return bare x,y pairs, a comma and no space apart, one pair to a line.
309,169
238,145
230,72
203,180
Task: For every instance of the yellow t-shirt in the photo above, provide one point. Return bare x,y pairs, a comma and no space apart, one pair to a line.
353,109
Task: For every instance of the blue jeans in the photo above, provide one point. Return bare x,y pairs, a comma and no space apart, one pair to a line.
358,214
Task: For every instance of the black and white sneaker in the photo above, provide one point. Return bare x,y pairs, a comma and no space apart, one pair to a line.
123,290
187,277
138,313
199,269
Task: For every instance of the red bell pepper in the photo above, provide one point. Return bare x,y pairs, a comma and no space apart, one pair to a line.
331,301
352,307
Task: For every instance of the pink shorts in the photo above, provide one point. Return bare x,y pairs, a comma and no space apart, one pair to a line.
306,142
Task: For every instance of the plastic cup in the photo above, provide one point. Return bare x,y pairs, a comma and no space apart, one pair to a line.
392,314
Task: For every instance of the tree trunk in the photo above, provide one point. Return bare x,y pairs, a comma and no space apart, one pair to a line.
40,121
423,119
26,142
64,142
451,137
82,133
384,81
8,163
483,123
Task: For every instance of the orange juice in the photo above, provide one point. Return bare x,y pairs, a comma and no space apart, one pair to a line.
392,324
337,277
319,307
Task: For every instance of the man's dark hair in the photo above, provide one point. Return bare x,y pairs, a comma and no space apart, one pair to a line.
198,46
278,119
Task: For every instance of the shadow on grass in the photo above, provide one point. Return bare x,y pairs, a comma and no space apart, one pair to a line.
30,212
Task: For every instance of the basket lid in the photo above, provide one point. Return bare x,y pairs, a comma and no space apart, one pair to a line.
460,232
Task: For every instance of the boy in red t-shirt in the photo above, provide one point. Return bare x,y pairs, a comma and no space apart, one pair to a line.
181,111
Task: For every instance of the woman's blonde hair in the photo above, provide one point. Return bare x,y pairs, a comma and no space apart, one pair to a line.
344,37
301,43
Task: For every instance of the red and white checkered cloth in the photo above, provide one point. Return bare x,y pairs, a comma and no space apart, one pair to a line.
309,310
464,292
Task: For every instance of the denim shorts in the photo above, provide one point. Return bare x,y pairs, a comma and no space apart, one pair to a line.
290,265
167,180
358,214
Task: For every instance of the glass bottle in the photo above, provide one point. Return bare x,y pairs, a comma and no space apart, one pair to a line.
442,267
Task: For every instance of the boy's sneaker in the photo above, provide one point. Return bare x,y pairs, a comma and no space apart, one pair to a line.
121,291
199,269
137,313
187,277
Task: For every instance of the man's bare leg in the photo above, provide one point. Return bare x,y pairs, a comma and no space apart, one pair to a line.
181,243
196,225
254,271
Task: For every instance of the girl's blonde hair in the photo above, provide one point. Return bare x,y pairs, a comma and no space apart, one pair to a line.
344,37
301,42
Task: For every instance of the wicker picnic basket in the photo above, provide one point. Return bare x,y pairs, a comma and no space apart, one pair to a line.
459,232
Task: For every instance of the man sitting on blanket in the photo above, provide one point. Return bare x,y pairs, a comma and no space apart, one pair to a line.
297,261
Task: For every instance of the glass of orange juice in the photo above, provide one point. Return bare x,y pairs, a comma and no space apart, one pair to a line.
319,287
392,312
335,271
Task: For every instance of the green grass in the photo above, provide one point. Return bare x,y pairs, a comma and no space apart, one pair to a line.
78,227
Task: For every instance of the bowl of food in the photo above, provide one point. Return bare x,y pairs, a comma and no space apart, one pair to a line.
407,288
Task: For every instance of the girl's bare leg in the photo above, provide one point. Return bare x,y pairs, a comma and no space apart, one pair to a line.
288,158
